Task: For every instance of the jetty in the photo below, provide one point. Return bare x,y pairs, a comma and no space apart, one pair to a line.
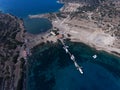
65,47
72,57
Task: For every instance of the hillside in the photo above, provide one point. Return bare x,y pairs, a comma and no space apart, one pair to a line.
10,67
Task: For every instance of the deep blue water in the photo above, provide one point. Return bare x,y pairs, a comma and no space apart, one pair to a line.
23,8
51,69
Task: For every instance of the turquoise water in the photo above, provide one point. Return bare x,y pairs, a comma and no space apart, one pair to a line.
23,8
51,69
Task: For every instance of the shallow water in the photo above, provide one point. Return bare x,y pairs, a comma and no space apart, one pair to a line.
51,69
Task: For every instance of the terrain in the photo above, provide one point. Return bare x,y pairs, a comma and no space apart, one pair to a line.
93,22
98,26
11,40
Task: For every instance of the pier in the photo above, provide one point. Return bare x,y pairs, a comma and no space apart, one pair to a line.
72,57
65,47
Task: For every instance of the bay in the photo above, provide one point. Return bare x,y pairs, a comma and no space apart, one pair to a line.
51,69
23,8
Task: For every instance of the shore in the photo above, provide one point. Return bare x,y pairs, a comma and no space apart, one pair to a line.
93,36
82,30
77,30
65,25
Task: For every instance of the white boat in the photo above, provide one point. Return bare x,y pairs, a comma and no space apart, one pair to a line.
80,70
72,57
65,49
94,56
76,65
67,46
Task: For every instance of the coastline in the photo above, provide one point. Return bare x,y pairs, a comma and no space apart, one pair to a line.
83,55
81,31
10,51
85,31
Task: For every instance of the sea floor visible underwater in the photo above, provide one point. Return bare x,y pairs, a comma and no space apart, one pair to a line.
50,68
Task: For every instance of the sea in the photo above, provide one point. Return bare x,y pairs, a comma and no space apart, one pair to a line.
23,8
50,67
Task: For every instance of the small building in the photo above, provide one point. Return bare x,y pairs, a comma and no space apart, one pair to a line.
52,33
